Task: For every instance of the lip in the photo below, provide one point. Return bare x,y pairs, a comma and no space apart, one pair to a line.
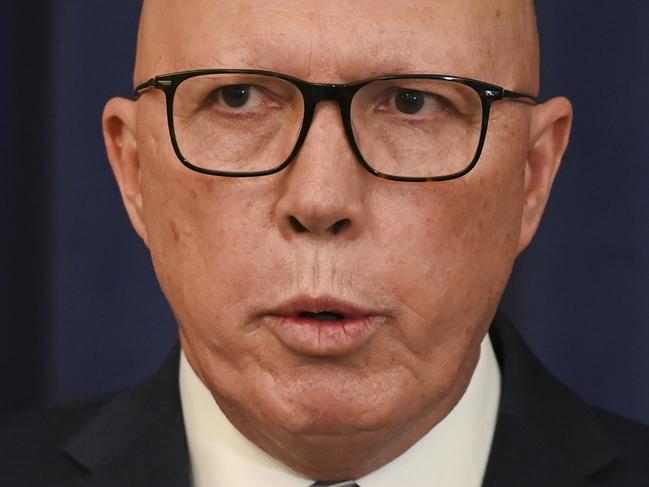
311,336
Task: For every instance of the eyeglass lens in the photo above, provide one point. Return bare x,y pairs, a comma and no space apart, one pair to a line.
408,127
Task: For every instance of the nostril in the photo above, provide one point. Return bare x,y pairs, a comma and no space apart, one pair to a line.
336,228
339,226
296,225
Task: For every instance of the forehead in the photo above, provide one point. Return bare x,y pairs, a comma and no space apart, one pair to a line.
333,41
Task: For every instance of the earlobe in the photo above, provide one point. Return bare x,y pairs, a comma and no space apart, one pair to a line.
549,135
119,121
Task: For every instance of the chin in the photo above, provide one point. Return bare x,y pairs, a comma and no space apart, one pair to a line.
337,420
334,438
347,405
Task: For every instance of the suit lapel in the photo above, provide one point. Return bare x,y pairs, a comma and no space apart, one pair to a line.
138,438
545,435
518,458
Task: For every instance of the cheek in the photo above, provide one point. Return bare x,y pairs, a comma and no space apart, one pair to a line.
451,253
199,237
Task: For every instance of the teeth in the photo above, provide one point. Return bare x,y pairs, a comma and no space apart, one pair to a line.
325,316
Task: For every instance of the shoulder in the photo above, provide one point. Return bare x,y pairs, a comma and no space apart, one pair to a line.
626,431
134,436
545,427
30,442
631,440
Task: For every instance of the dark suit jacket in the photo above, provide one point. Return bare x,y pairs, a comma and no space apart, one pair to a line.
545,435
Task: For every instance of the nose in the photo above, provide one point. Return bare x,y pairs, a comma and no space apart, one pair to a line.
324,189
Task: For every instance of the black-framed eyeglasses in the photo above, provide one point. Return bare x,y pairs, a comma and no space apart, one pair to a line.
409,127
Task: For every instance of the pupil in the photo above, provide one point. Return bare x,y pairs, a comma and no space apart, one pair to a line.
410,101
236,96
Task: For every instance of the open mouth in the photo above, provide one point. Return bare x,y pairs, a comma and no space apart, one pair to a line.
323,325
323,316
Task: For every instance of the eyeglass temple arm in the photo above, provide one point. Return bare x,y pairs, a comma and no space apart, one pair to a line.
139,89
153,83
514,96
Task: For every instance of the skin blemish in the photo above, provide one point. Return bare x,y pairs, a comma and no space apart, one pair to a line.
174,231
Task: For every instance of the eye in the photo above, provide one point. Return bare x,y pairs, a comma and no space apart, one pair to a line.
235,96
409,101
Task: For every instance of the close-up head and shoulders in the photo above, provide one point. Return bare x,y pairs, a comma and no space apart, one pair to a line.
333,195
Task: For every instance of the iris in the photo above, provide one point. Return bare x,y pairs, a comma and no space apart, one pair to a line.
235,96
410,102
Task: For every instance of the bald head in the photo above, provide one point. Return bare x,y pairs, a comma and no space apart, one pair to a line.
341,40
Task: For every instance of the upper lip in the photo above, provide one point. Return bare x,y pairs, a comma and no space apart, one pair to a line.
320,304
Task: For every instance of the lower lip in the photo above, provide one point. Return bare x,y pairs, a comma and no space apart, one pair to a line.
321,337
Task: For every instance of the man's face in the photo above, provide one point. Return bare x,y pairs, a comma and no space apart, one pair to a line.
415,269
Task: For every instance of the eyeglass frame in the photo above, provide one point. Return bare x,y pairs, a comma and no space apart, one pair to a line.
342,94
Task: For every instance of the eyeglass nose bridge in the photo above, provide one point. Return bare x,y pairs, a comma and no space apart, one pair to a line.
314,93
318,92
342,94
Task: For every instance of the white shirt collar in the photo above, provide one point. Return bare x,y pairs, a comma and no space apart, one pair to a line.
453,454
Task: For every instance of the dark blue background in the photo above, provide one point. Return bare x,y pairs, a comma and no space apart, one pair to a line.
82,312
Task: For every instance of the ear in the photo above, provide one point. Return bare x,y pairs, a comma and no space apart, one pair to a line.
549,134
119,121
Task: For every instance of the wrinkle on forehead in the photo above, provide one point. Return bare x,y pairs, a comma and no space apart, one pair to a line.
338,40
